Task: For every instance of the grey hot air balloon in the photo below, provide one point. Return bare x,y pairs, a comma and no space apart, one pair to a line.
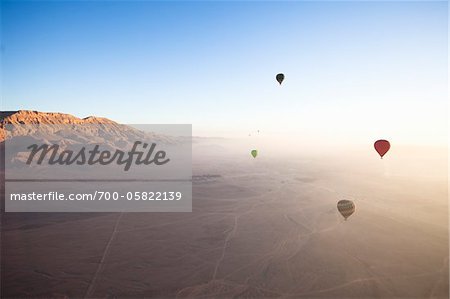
346,208
280,78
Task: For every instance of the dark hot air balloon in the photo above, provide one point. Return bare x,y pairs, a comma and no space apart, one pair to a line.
346,208
382,147
280,78
254,153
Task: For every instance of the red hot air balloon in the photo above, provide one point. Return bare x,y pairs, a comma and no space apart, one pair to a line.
382,147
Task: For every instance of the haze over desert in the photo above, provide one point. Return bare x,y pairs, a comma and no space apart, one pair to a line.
260,227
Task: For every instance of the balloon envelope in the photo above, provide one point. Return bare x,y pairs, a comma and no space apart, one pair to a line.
280,78
346,208
382,147
254,153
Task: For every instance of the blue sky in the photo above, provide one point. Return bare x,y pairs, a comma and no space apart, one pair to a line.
354,70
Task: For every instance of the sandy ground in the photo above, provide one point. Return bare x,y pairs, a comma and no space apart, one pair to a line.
259,228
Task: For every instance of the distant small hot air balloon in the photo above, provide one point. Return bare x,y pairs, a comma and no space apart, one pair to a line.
280,78
382,147
254,153
346,208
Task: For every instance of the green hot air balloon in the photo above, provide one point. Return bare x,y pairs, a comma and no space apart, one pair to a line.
280,78
346,208
254,153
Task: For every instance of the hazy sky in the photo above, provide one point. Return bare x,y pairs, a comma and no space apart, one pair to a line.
355,71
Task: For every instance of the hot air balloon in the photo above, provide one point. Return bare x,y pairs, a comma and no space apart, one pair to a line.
280,78
346,208
382,147
254,153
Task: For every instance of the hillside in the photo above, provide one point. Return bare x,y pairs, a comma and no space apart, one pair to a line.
58,126
53,118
